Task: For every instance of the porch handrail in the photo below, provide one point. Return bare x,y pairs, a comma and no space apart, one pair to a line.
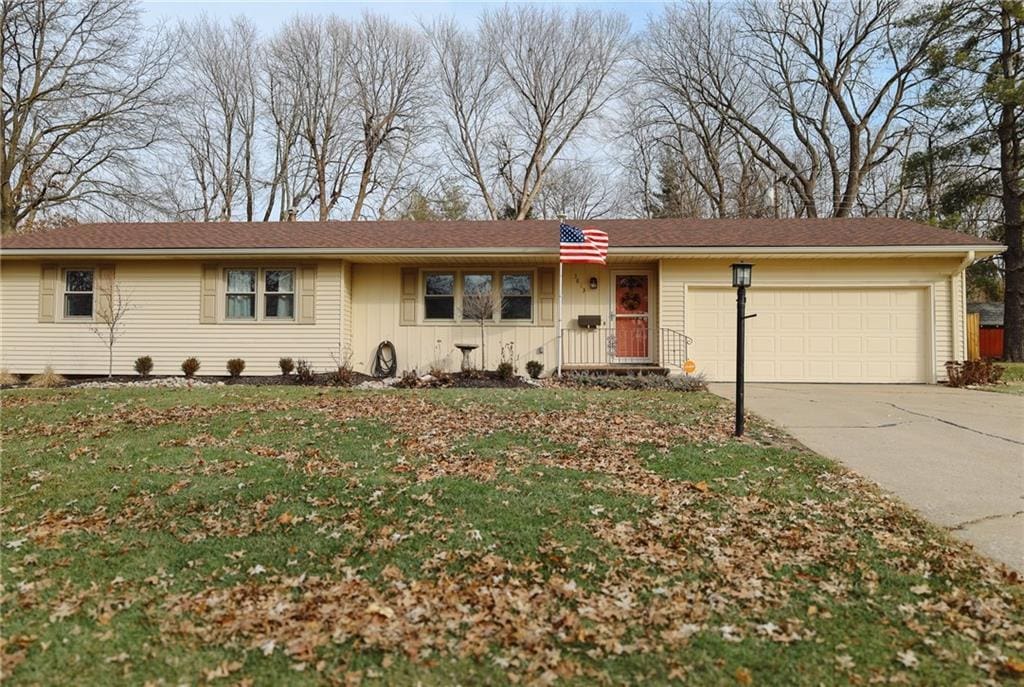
606,346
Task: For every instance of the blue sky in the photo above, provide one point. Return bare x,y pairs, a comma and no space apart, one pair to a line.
269,15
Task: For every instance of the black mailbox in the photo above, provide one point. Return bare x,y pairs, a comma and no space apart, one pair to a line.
588,321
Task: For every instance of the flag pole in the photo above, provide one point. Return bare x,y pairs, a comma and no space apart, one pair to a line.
559,332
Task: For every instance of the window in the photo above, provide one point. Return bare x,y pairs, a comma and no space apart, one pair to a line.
279,294
241,295
474,295
517,296
439,296
477,297
78,293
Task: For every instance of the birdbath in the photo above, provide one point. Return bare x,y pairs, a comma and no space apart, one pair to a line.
466,350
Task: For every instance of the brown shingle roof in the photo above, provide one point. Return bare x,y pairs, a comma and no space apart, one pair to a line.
392,235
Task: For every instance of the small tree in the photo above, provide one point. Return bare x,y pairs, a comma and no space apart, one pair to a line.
112,305
481,307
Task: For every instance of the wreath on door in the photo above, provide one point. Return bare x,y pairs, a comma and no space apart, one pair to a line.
630,300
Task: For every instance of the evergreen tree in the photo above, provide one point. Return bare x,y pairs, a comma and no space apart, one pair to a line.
668,199
978,83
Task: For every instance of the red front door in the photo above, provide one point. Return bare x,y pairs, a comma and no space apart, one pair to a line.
631,318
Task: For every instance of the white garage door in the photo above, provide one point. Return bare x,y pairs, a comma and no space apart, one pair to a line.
813,334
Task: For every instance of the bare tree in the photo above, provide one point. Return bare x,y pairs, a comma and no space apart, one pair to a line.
577,190
81,98
387,66
481,306
217,118
519,91
112,306
557,74
467,76
815,91
311,60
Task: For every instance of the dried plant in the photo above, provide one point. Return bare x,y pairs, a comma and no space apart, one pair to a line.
972,372
113,304
481,307
47,379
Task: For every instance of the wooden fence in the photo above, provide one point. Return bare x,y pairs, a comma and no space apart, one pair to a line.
973,336
983,343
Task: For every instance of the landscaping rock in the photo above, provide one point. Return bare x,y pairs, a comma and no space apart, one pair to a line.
158,382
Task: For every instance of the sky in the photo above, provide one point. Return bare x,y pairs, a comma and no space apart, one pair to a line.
268,16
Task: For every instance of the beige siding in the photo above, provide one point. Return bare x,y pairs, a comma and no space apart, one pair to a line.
164,323
958,319
357,307
346,307
944,312
375,318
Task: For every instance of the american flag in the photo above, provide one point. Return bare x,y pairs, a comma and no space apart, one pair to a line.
582,245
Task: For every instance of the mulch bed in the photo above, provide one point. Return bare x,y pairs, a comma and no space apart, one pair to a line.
458,380
463,380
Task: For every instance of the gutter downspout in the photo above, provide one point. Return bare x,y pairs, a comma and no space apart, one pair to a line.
964,264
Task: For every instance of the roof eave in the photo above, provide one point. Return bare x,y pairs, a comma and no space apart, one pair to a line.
981,251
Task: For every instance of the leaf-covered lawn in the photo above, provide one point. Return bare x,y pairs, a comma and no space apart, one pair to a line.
260,535
1013,379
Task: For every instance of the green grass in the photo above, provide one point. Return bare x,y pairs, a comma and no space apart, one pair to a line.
465,536
1013,379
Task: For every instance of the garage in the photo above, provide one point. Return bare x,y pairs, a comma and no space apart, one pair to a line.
814,334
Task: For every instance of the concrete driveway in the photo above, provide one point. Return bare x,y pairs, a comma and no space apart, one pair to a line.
956,456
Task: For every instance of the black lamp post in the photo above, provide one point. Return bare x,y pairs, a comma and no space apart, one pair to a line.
740,280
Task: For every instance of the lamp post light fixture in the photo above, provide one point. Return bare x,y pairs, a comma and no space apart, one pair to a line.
740,280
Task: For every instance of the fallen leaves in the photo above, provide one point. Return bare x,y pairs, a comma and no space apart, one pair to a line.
403,570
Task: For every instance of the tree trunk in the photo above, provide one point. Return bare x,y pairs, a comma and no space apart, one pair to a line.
1009,172
8,213
483,349
364,184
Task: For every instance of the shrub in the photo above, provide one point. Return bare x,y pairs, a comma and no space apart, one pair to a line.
235,367
304,371
7,379
286,365
190,366
343,364
343,377
534,368
508,357
506,371
47,379
410,380
695,382
144,365
972,372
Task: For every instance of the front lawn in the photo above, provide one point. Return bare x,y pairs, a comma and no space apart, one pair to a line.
1013,379
245,535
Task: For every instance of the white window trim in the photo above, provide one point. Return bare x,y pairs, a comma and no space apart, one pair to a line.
64,317
261,292
496,278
